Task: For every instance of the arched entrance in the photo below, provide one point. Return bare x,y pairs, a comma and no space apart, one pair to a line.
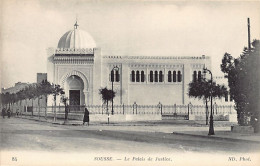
74,88
75,85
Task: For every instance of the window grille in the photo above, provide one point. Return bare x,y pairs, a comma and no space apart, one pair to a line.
179,76
169,76
151,76
174,76
156,76
160,76
199,76
195,76
142,76
133,76
137,76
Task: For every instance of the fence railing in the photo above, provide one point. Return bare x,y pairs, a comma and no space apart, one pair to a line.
130,109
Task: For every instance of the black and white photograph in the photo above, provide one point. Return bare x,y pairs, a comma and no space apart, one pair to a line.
128,82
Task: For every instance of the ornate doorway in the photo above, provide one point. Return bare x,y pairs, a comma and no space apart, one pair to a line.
74,96
74,87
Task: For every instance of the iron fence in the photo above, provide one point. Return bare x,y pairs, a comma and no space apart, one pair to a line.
128,109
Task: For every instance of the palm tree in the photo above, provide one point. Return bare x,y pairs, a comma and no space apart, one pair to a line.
64,100
107,95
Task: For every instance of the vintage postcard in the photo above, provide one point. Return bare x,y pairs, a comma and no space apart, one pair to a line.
127,82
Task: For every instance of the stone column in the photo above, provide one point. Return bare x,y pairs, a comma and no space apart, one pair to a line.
86,94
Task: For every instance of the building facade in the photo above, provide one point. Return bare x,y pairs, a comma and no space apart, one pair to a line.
78,65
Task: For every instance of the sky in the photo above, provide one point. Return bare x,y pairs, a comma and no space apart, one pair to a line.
147,28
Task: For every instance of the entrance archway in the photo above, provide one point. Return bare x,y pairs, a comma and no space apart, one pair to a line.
75,85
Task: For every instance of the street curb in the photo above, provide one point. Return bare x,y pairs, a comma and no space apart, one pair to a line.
217,138
80,124
175,133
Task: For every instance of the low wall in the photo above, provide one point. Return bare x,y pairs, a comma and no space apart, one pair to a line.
102,117
123,118
230,117
242,129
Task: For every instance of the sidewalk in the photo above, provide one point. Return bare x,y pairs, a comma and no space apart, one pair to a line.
177,127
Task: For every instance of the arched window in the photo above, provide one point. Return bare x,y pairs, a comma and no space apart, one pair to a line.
169,76
142,76
137,76
174,76
133,76
195,76
156,76
199,76
231,98
117,76
179,76
160,76
226,97
151,76
112,76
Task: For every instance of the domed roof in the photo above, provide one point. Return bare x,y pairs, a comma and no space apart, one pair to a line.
76,39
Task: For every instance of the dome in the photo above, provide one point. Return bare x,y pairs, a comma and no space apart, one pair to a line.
76,39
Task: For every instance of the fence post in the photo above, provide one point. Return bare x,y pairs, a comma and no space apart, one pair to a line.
190,108
161,109
54,118
188,111
175,109
38,108
46,112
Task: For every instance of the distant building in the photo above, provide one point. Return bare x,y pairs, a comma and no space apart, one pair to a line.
16,88
20,86
41,77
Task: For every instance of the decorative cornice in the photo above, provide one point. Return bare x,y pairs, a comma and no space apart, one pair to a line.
75,50
219,77
197,66
73,60
155,65
157,57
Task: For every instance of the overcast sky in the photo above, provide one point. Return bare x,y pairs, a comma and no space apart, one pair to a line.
29,27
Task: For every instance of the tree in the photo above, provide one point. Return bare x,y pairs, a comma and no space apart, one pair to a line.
21,96
201,89
243,81
43,90
56,91
31,93
107,95
13,99
64,100
6,99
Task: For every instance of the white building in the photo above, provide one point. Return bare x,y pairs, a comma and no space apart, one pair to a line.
77,64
